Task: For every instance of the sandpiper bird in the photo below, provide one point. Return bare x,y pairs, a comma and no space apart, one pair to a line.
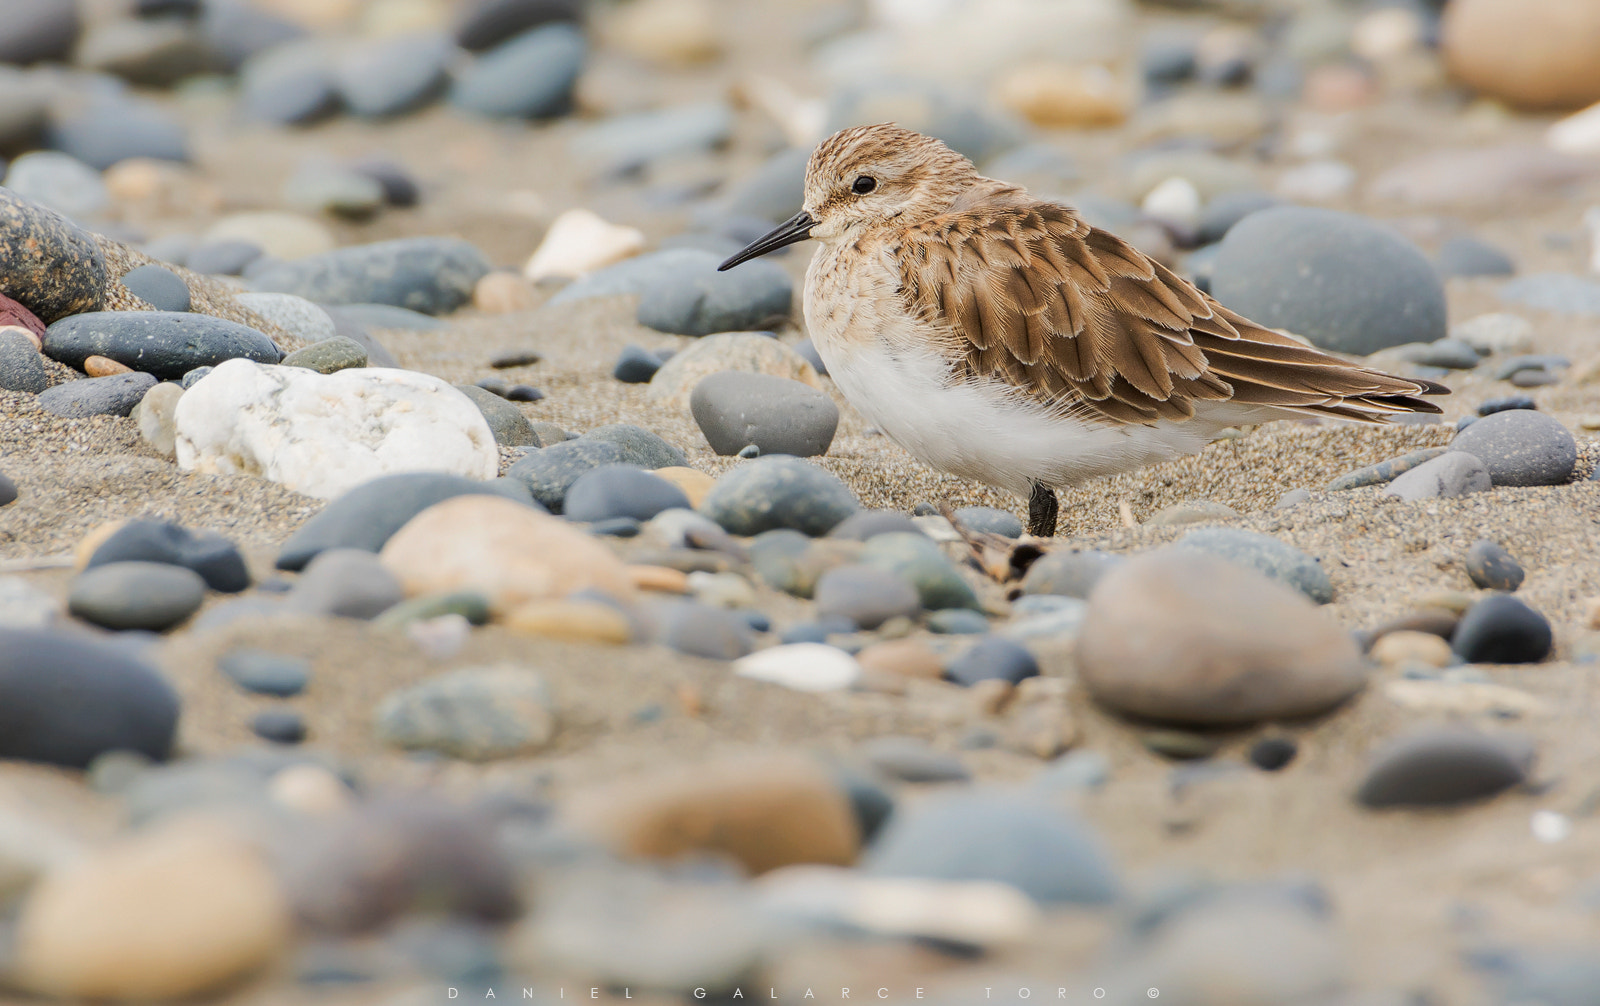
1001,338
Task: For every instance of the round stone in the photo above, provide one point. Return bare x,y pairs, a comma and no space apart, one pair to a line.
221,258
266,673
1340,280
1277,559
510,427
778,416
1520,447
478,714
909,759
49,265
989,520
159,287
804,666
992,658
779,492
1543,57
1185,637
60,182
1442,766
530,76
1069,574
8,490
550,472
1271,754
163,343
136,595
621,491
866,524
66,699
392,76
866,596
329,356
639,446
487,23
635,366
346,583
215,558
698,300
749,352
21,368
958,622
1493,568
116,395
1464,256
1502,630
114,127
39,30
289,85
431,275
280,726
333,189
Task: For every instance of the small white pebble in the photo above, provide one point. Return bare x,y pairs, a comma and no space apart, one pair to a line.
1549,826
440,638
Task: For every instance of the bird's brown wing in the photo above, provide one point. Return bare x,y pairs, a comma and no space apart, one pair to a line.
1031,295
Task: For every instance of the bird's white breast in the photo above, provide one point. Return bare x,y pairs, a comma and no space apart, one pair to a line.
984,430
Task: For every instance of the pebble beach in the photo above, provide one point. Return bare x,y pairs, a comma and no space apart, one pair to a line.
425,579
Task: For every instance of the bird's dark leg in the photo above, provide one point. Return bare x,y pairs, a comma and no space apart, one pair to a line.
1042,511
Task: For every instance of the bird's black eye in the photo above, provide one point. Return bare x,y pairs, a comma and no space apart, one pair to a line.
863,184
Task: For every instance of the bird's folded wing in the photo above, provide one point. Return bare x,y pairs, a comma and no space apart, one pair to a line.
1031,295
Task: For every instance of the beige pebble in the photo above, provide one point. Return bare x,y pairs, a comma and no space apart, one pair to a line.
577,621
1589,422
1591,612
1057,95
1544,55
101,366
89,543
156,415
317,14
694,483
675,32
282,235
509,553
503,293
662,579
764,811
580,242
1457,601
27,333
905,658
1463,698
990,697
165,913
1397,649
137,179
309,789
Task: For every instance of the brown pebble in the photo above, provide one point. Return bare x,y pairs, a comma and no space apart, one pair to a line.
659,578
101,366
91,542
694,483
578,621
1592,613
503,293
991,696
690,700
1437,621
905,658
1457,601
1408,646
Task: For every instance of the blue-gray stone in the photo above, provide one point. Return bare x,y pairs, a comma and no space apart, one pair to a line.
97,396
426,275
918,560
1520,447
136,595
65,700
1499,629
510,427
487,23
1441,766
477,714
221,258
735,409
1070,574
194,376
1490,406
236,30
395,75
214,557
345,583
990,520
1453,473
62,183
1384,471
773,192
21,368
280,726
1224,211
1451,354
958,622
698,300
159,287
1530,361
367,516
700,630
1277,559
987,834
399,188
164,343
1344,282
632,276
1560,292
866,524
866,596
628,142
112,129
910,759
635,365
1464,256
39,30
808,350
266,673
550,471
289,85
949,113
1074,771
779,492
530,76
992,658
638,445
1491,567
619,490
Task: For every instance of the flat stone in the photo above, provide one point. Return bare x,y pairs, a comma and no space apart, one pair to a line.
699,301
778,416
629,142
1466,256
1502,630
66,699
1191,512
215,558
1070,574
531,76
1520,447
330,356
116,395
1384,471
909,759
1451,354
279,235
865,595
1495,333
478,714
700,630
550,472
635,365
345,583
867,524
1182,637
957,622
802,667
1277,559
367,516
776,492
236,31
1493,568
1342,281
1454,473
166,344
989,520
159,287
995,836
318,187
1443,766
612,491
290,85
632,275
392,76
109,129
49,265
59,182
428,275
487,23
136,595
639,446
1558,292
746,352
279,726
992,658
510,427
266,673
324,435
39,30
919,561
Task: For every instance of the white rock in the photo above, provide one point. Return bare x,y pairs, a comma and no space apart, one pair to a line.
804,667
979,912
1174,201
580,242
24,606
154,414
294,315
1496,333
282,235
1578,133
1386,34
325,434
1317,182
1464,698
1591,220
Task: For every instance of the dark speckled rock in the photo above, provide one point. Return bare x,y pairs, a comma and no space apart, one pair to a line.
430,275
166,344
549,472
48,264
115,395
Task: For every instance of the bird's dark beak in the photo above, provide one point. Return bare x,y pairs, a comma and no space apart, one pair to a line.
796,228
